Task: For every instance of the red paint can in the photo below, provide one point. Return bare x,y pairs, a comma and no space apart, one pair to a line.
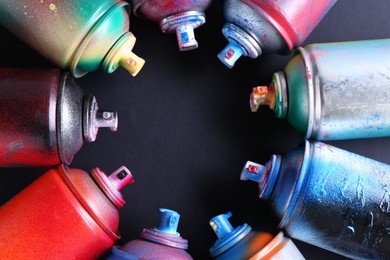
270,26
45,118
65,214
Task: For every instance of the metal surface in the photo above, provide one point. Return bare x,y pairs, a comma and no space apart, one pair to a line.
334,91
253,27
67,208
158,243
93,119
334,199
75,35
180,17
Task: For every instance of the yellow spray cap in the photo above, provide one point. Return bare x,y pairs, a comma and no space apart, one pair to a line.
121,55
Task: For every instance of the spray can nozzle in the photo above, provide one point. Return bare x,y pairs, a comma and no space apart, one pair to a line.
228,236
112,184
253,171
169,222
221,225
184,24
93,119
265,175
240,44
262,95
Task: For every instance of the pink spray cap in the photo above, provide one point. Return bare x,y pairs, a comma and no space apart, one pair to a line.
112,184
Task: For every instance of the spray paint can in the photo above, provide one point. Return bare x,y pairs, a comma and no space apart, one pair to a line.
159,243
270,26
45,117
329,197
180,17
78,35
65,214
333,91
243,243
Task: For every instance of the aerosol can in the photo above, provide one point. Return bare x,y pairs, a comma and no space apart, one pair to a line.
333,91
45,118
174,16
329,197
159,243
77,35
243,243
65,214
270,26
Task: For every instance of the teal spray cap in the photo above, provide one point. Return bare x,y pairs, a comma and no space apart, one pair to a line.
169,222
228,236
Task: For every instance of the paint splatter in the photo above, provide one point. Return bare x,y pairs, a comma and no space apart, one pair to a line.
53,7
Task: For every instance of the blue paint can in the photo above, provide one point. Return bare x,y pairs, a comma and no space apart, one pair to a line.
329,197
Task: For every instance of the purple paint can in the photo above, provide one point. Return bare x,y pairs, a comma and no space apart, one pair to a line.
159,243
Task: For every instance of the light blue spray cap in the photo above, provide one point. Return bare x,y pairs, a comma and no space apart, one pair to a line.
169,222
230,54
228,236
240,43
266,175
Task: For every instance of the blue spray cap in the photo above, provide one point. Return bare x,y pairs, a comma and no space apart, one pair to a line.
169,222
232,52
240,43
228,236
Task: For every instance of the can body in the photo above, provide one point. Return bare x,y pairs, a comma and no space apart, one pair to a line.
261,245
143,249
75,35
29,108
159,243
293,19
45,118
334,199
340,90
53,219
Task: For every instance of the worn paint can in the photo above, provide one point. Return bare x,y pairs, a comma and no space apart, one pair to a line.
270,26
242,242
333,91
329,197
64,214
160,243
78,35
173,16
45,118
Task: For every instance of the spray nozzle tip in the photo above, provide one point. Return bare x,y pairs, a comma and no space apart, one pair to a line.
169,222
252,171
230,54
121,178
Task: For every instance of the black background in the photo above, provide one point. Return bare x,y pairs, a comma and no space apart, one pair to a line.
185,127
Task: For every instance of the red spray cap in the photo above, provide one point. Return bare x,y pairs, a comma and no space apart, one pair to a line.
112,184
